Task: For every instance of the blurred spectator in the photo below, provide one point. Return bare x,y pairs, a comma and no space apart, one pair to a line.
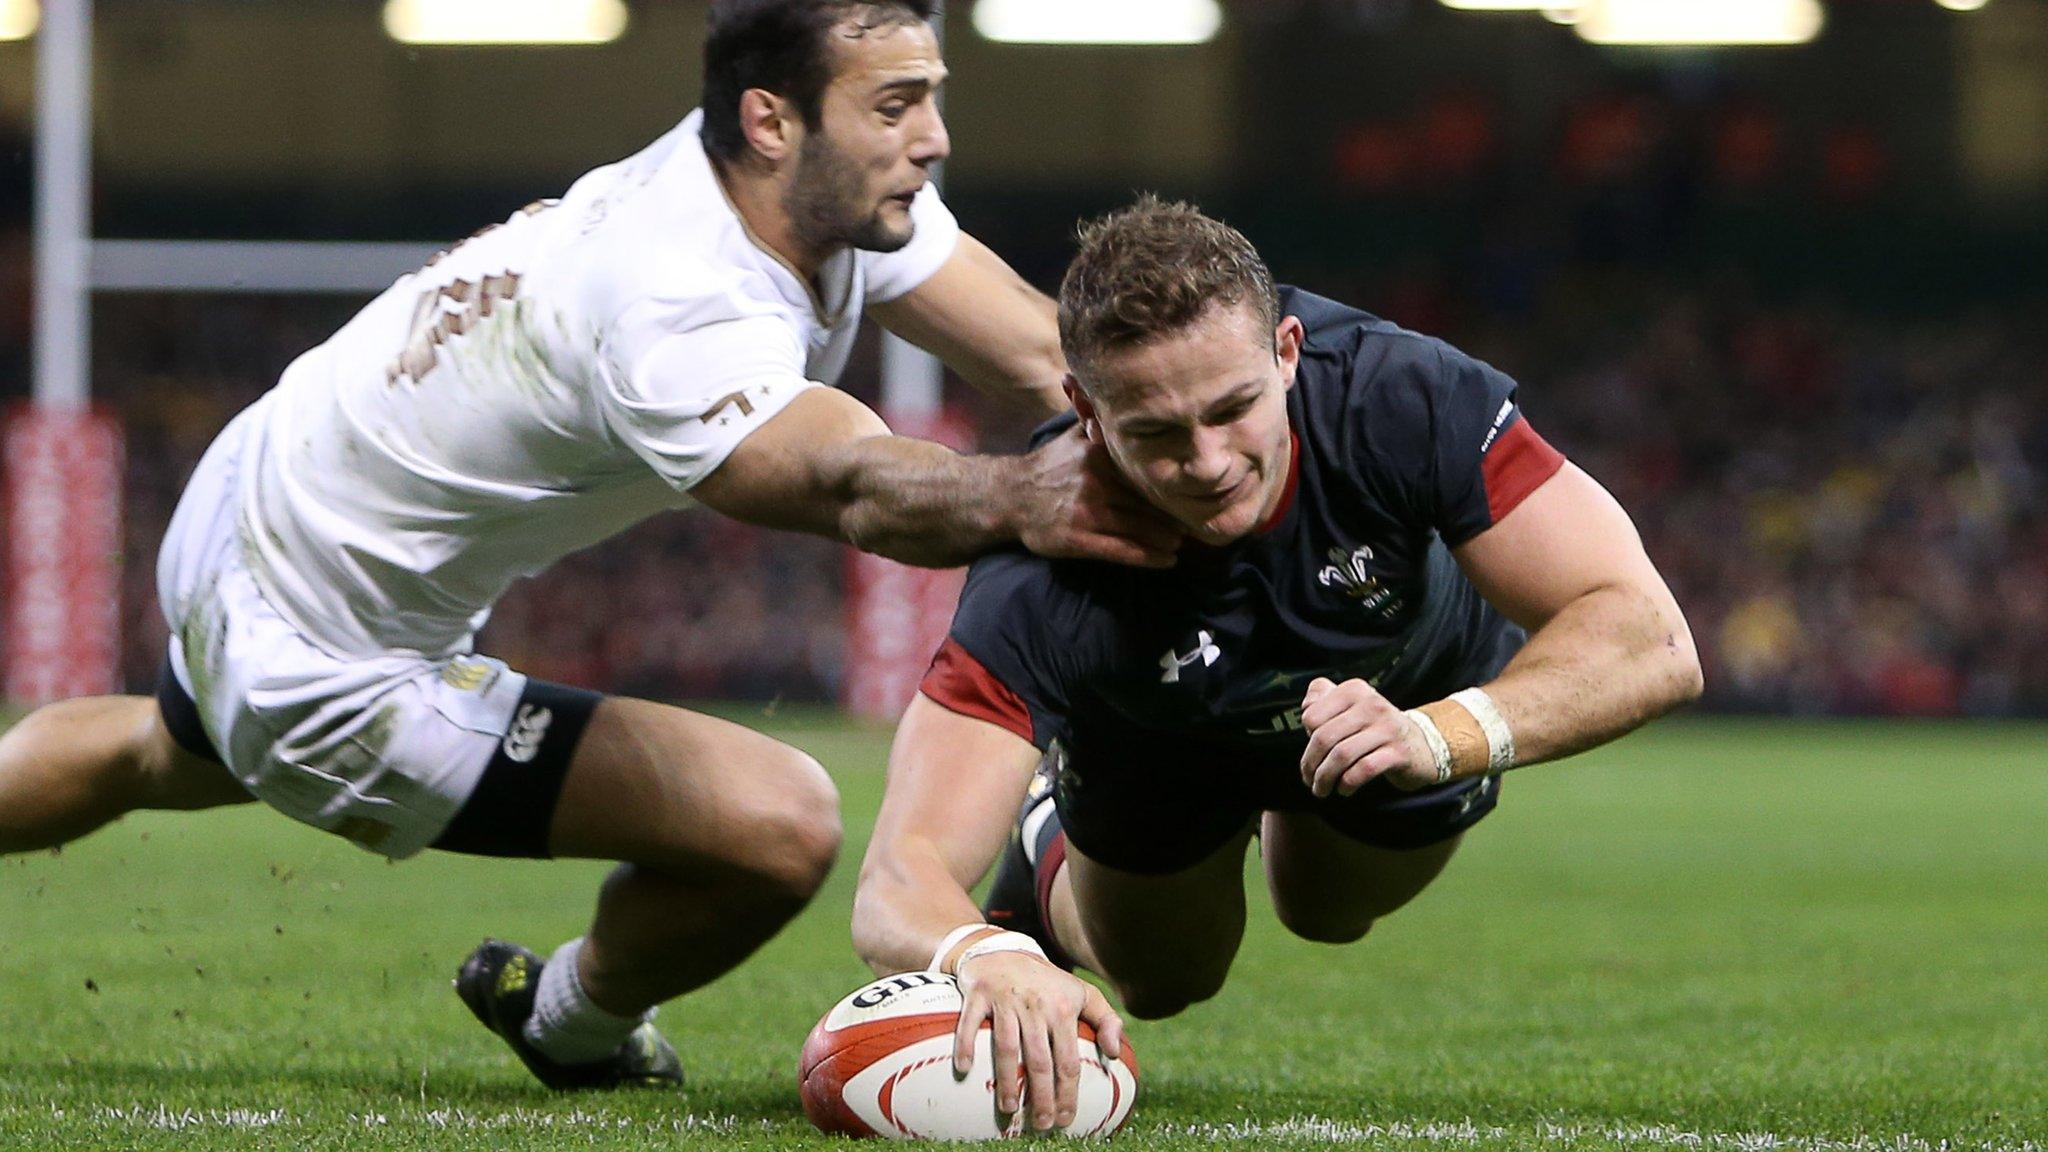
1849,507
1850,510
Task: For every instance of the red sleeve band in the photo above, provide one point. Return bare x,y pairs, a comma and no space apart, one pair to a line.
1518,464
959,683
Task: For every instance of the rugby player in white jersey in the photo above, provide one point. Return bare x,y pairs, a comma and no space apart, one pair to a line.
660,334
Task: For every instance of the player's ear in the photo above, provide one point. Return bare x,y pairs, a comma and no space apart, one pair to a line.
1287,340
770,124
1091,426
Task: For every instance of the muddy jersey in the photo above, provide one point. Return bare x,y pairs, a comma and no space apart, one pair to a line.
1403,448
531,391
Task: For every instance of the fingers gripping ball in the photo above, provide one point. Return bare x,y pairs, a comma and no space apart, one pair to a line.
881,1064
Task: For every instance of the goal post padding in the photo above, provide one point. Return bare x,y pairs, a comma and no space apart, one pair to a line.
63,592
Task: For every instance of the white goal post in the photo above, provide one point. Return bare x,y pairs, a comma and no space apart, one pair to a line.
62,640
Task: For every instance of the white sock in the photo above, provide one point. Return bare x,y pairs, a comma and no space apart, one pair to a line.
565,1025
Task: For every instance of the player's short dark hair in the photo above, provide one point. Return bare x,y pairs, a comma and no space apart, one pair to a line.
1152,269
785,47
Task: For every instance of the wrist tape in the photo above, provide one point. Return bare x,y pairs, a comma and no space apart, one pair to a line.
1465,730
952,940
999,942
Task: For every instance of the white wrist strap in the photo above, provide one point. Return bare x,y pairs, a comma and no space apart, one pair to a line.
952,940
1000,942
1500,739
1439,747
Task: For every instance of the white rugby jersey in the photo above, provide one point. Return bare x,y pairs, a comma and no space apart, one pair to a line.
535,389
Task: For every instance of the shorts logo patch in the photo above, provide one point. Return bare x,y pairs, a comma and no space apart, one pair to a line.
466,675
529,728
1205,650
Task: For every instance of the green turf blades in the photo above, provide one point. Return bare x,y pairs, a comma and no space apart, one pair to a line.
1711,936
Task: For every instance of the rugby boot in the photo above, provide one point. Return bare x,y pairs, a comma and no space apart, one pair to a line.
1023,881
498,982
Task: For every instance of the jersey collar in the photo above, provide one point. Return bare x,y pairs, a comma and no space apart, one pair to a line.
835,275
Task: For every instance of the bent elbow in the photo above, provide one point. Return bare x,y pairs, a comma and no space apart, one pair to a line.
1690,684
1685,678
1695,681
870,941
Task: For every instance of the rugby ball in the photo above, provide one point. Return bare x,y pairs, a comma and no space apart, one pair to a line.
881,1064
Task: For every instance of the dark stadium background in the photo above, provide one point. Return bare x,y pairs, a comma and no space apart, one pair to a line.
1787,302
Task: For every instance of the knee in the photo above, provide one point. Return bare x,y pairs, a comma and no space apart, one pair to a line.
1327,926
792,830
97,741
1169,996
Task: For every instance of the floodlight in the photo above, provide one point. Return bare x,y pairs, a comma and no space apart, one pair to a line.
1097,22
1692,22
505,21
18,19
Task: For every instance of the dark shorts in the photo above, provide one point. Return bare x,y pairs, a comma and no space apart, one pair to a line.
1165,809
510,811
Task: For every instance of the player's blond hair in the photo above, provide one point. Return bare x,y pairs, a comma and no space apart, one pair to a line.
1153,269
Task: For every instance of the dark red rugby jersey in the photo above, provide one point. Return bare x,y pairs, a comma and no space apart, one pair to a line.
1403,448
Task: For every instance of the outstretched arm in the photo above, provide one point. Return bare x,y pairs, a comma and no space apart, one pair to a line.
989,325
1608,648
1608,651
826,464
954,786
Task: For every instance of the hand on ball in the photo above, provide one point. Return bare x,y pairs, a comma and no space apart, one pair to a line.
1033,1010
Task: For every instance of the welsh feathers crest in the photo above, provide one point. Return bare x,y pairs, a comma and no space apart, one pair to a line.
1348,571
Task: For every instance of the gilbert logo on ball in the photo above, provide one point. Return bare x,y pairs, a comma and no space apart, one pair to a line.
881,1064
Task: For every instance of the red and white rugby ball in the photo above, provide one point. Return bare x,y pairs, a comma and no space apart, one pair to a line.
881,1064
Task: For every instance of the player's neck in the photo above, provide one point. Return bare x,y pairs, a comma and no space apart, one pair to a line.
757,199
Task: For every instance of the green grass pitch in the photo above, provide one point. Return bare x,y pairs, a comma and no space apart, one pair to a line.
1714,935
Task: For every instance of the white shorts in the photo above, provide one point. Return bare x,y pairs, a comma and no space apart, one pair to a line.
383,750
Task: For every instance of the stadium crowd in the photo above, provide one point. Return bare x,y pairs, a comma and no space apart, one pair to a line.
1850,510
1850,507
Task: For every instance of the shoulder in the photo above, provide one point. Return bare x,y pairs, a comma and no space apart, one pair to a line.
1408,417
1064,610
1380,395
1015,590
1354,361
654,233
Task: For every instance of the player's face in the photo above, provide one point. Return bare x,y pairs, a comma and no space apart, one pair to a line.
879,132
1197,420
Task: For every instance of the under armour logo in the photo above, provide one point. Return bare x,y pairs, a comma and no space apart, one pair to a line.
522,743
1205,650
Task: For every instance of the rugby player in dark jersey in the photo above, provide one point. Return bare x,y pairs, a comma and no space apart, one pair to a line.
1393,591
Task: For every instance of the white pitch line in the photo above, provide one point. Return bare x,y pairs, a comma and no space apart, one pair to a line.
1297,1130
162,1117
1316,1130
525,1119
